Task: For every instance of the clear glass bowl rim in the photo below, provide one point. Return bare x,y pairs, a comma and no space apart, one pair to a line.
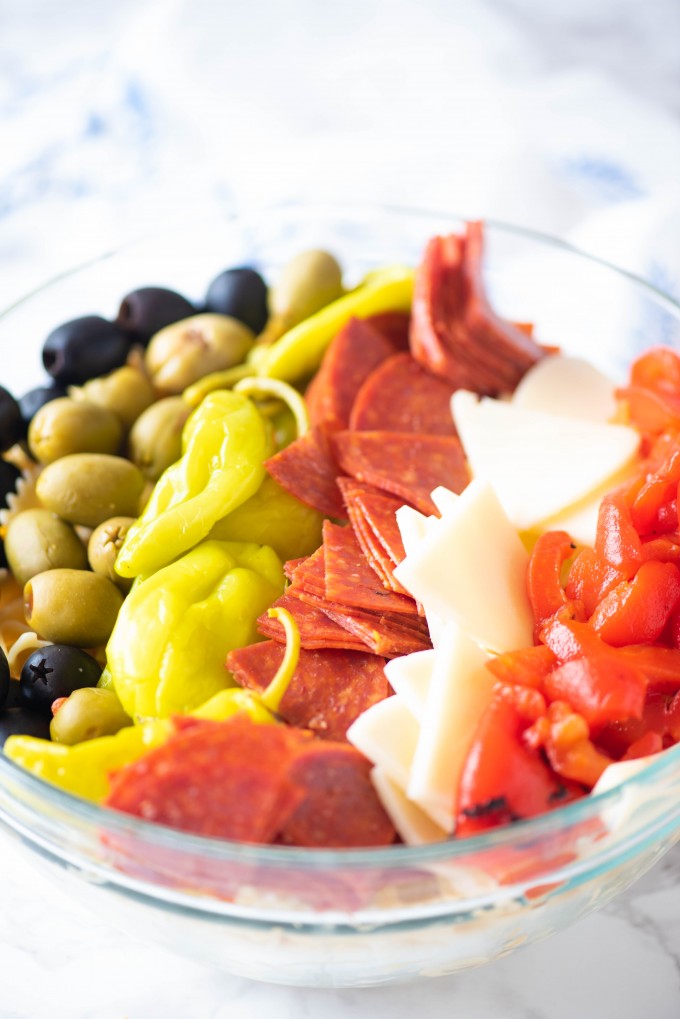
163,837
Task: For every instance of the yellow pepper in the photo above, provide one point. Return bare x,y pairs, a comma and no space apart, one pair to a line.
167,650
273,516
298,352
84,769
225,442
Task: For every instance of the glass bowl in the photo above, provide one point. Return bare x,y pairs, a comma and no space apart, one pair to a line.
359,917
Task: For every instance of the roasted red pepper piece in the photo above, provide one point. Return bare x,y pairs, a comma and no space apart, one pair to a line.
650,743
525,667
657,369
661,716
571,638
544,586
651,413
637,612
649,509
590,578
504,780
602,688
616,539
564,736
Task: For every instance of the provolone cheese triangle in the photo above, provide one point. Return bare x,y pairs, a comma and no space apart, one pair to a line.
568,386
538,464
413,825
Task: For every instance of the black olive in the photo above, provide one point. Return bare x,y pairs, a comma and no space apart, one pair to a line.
11,424
9,475
241,293
31,402
4,678
55,671
145,311
84,348
22,722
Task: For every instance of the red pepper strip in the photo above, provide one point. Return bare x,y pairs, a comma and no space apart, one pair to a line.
571,638
651,413
657,369
526,667
590,578
665,549
504,780
660,488
661,715
660,665
563,734
602,688
544,588
616,539
637,612
650,743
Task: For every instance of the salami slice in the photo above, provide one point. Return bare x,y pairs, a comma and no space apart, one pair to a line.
394,325
340,808
328,691
373,550
406,465
316,629
454,332
379,511
350,579
400,396
310,576
224,779
291,565
354,353
308,470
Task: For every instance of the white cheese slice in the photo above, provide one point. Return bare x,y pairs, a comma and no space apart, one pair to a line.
414,827
413,526
580,521
409,677
443,498
387,733
567,386
471,568
460,691
539,464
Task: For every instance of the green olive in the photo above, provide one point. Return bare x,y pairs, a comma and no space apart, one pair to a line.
89,488
155,441
87,714
72,607
187,350
307,284
127,392
105,544
65,426
37,540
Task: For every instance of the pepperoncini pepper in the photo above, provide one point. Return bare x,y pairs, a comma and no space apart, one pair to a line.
167,650
298,352
276,517
225,442
85,768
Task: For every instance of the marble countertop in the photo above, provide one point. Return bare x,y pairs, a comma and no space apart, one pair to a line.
116,118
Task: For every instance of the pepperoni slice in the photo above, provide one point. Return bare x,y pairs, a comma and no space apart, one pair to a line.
317,630
308,470
340,808
354,353
228,779
329,688
400,396
409,466
350,579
